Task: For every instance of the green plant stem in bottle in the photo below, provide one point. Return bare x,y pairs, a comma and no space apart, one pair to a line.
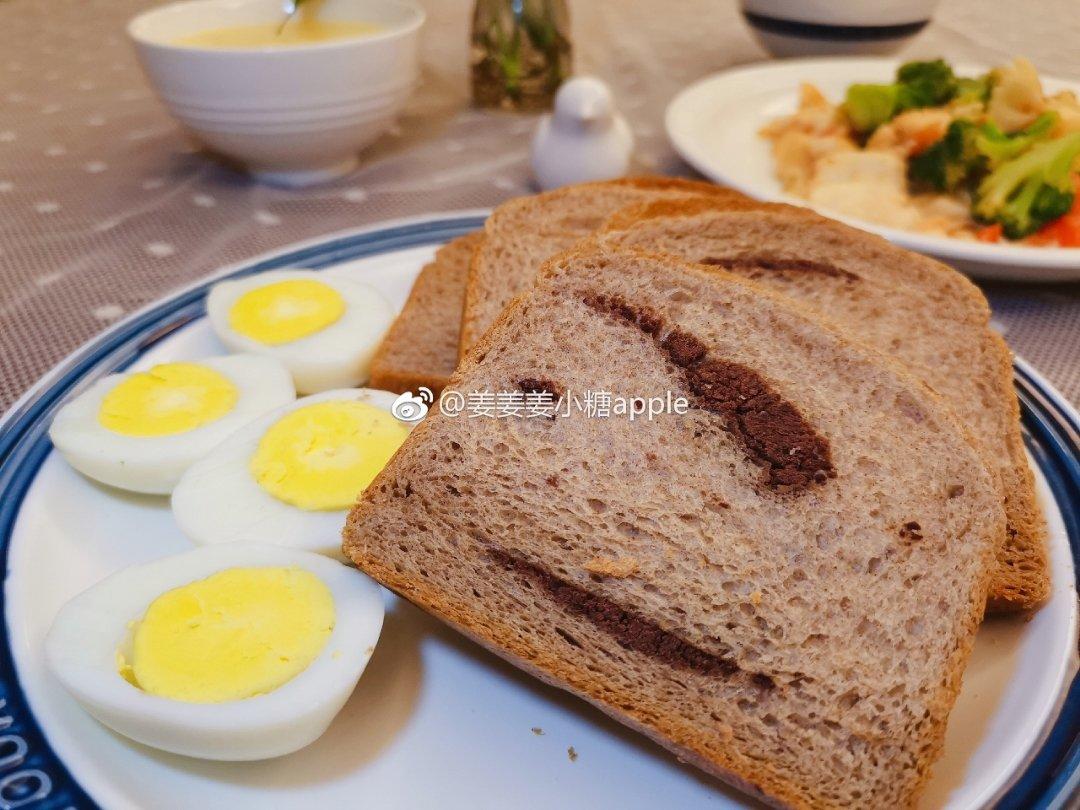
520,53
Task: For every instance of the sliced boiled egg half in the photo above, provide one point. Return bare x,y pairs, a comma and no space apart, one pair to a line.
289,477
324,329
235,652
141,430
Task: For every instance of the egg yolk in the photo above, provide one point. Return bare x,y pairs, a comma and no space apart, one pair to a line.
322,456
169,398
286,311
238,633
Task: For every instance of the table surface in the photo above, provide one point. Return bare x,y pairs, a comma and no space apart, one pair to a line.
104,206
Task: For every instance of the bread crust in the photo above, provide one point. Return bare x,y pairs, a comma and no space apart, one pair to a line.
758,783
420,348
486,263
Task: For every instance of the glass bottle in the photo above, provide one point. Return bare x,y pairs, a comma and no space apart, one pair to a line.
520,53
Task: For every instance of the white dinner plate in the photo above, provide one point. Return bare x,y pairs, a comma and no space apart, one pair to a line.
714,125
436,721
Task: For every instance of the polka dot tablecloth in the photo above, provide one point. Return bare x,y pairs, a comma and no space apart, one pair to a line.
105,206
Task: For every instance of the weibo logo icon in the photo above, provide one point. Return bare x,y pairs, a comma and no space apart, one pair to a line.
410,407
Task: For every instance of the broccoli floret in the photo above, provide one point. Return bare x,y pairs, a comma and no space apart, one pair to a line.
948,163
925,84
967,151
868,106
974,90
999,147
1025,193
918,84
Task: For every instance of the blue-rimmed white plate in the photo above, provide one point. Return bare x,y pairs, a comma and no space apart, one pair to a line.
435,721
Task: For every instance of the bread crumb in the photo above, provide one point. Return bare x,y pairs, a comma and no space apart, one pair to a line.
755,598
571,753
539,732
621,568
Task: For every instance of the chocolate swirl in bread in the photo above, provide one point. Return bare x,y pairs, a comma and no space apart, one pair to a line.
774,434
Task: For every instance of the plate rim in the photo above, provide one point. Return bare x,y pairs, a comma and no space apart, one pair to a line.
1050,778
1064,260
292,249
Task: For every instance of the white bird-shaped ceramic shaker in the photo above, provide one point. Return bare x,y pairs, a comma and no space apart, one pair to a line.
584,139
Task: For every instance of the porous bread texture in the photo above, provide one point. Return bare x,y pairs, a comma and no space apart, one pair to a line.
908,306
421,347
805,644
523,233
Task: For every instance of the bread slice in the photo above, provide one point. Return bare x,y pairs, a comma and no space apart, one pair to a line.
421,348
780,585
911,307
524,232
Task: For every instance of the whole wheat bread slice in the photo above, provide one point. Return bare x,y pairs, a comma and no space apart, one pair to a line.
908,306
421,348
524,232
781,585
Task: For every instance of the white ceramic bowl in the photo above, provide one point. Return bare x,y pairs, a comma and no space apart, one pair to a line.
292,115
865,13
830,27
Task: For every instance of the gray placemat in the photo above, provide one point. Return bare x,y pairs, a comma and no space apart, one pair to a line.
104,206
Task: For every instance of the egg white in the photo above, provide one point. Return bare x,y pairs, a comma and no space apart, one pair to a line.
338,356
154,464
82,644
219,501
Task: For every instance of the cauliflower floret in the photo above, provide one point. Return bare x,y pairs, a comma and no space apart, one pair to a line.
911,132
1017,96
1066,105
801,140
797,155
815,116
943,214
883,169
972,110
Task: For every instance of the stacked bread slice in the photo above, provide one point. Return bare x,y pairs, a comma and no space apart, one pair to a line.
421,348
522,233
905,305
780,584
459,294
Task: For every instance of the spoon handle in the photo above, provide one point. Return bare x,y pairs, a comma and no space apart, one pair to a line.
290,11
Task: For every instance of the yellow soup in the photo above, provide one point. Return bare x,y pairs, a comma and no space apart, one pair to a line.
298,31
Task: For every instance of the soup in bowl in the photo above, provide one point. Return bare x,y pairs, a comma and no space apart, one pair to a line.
294,107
